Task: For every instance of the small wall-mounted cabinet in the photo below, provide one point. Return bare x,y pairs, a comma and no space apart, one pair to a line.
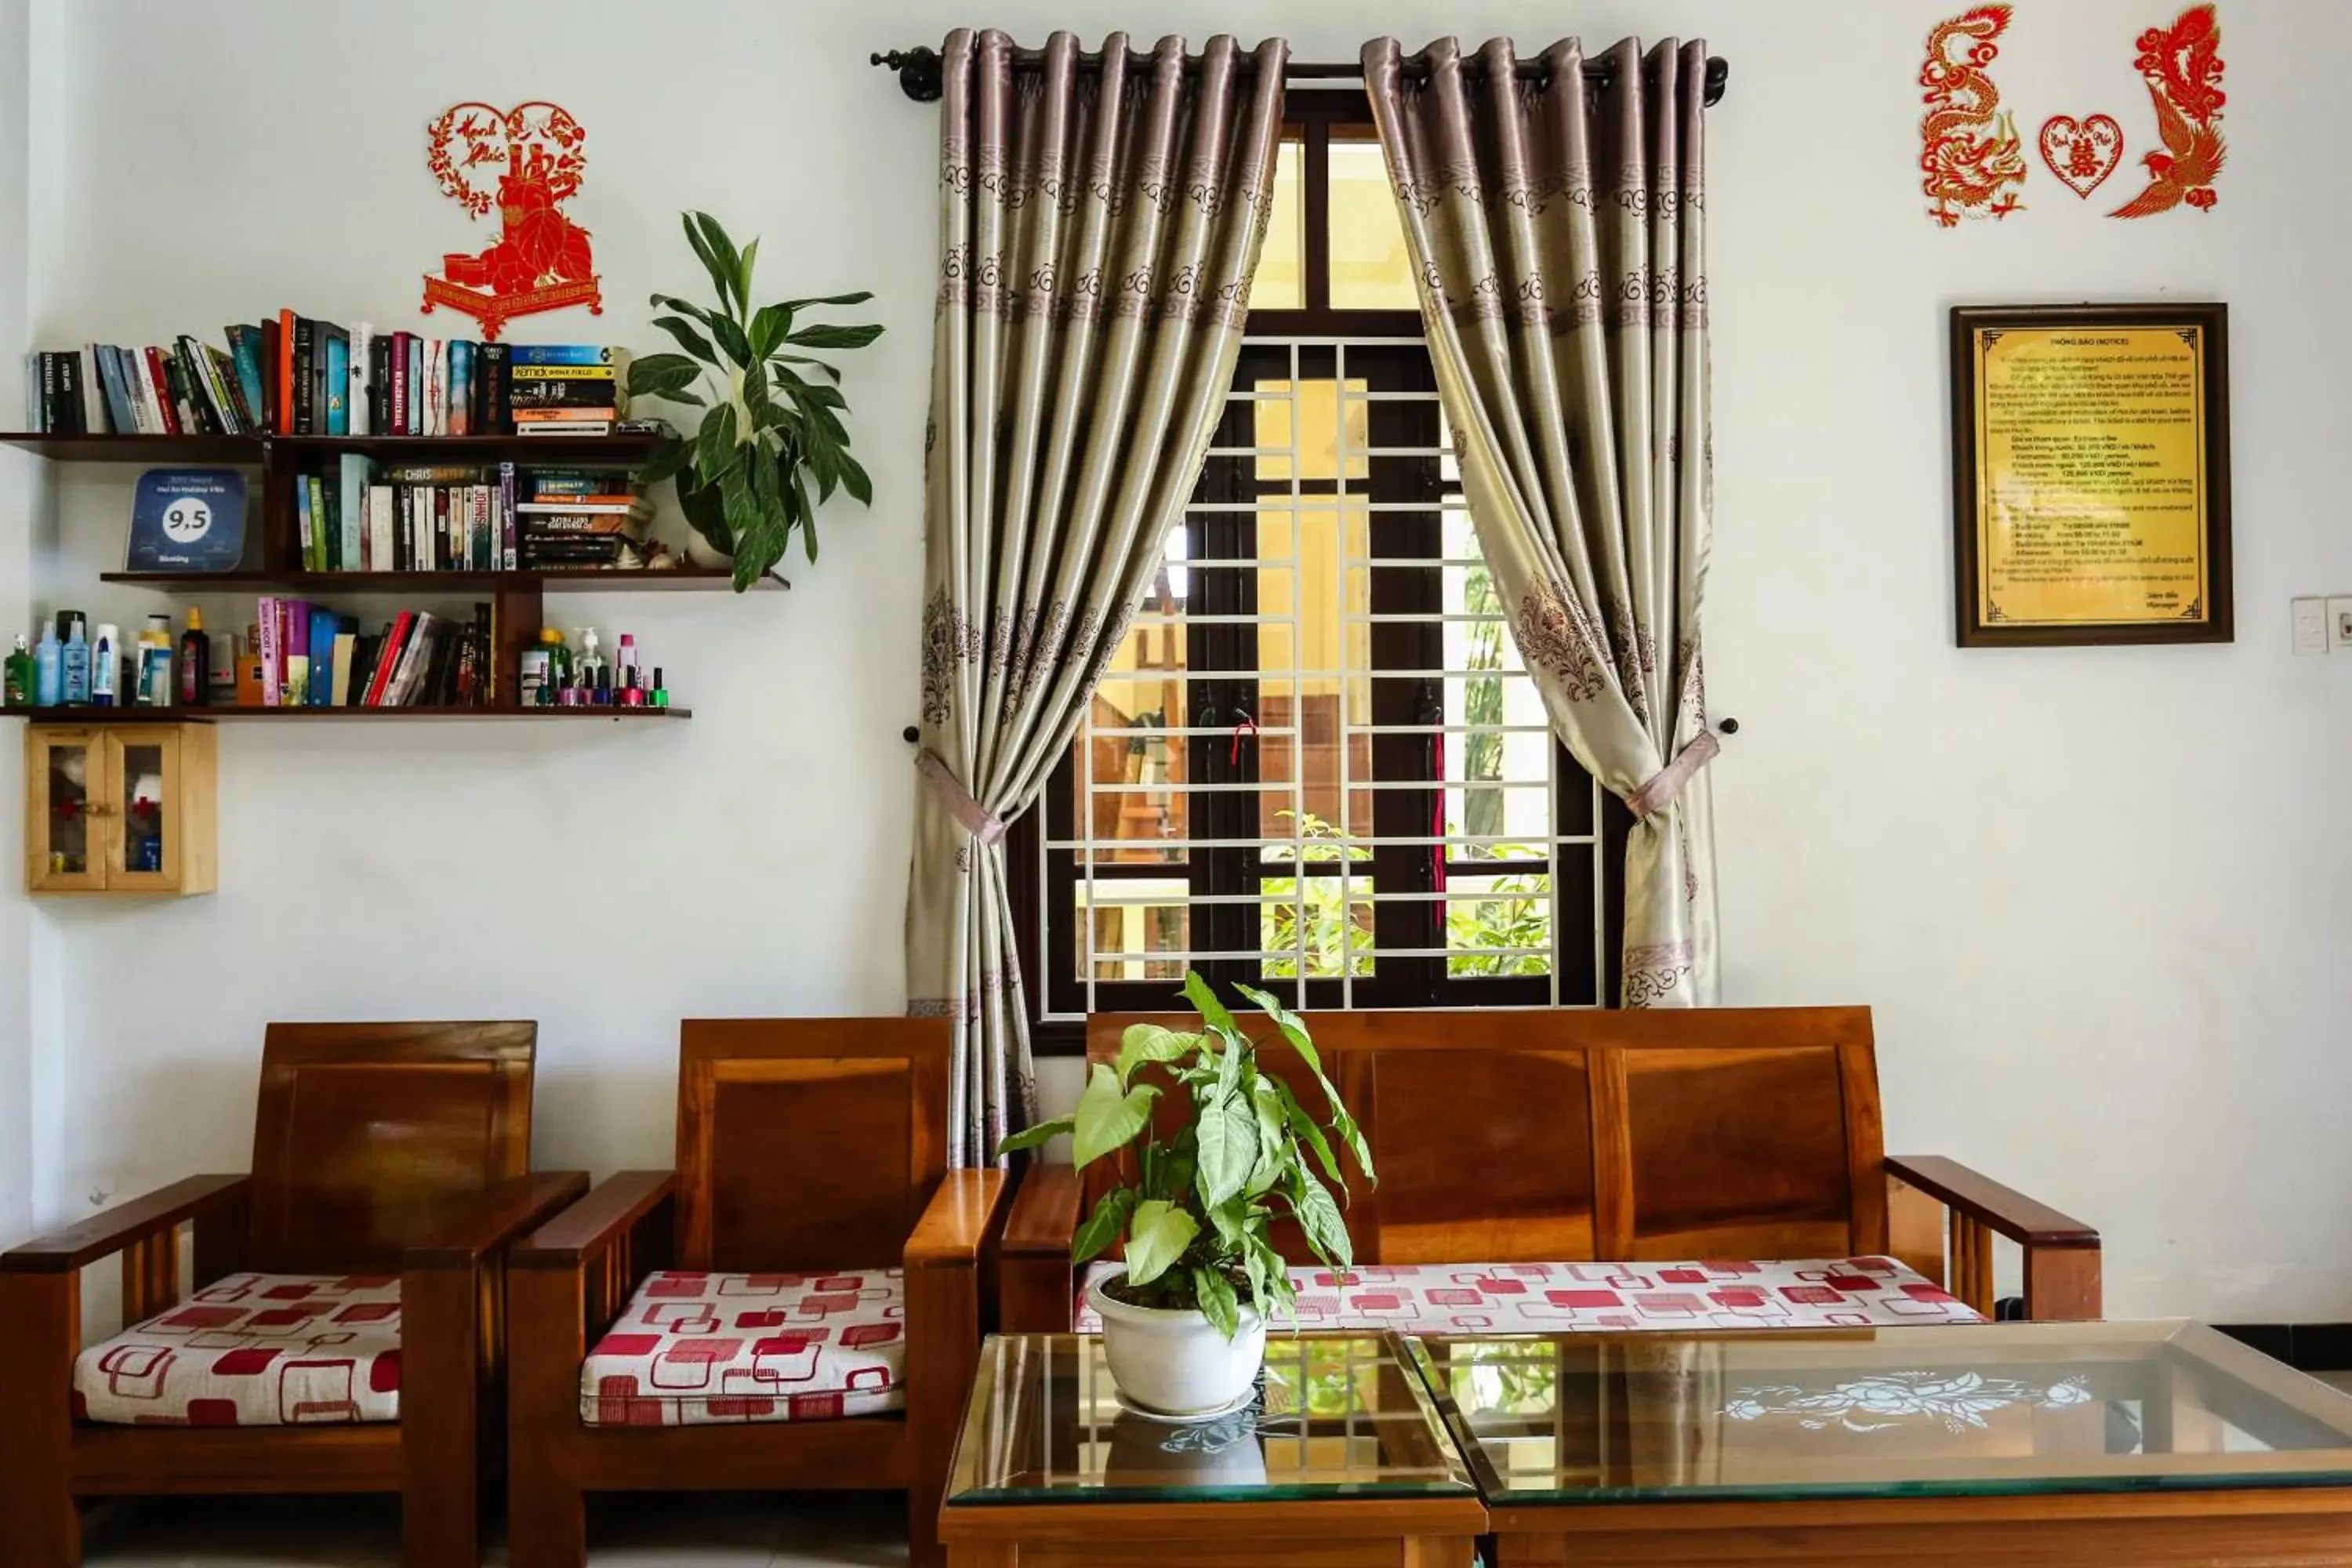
123,809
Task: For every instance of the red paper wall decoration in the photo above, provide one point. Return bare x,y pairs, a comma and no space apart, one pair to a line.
522,164
1972,157
2183,66
2083,153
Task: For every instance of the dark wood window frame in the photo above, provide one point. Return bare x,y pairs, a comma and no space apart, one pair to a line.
1224,652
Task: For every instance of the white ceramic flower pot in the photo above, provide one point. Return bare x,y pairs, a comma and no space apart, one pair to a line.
1176,1363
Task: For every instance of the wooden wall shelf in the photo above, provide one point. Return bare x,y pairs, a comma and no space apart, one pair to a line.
118,716
257,448
672,579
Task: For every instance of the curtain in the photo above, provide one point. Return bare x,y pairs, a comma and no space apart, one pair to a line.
1098,229
1558,228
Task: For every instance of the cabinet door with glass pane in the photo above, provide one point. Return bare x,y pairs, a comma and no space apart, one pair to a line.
125,810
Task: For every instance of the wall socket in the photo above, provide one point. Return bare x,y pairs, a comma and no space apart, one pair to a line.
2339,626
2311,625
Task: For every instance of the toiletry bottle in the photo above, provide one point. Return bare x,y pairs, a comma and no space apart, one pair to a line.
50,669
105,664
17,685
624,673
195,662
75,629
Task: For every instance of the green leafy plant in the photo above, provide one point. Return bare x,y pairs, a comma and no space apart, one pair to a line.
771,447
1196,1217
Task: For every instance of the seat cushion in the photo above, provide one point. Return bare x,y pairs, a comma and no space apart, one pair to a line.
697,1348
253,1349
1556,1297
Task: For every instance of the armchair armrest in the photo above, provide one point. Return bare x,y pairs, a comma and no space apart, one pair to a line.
596,1222
2062,1253
63,1251
955,1224
497,1216
1037,1282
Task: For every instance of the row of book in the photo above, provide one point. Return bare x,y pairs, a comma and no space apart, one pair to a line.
492,517
309,655
296,376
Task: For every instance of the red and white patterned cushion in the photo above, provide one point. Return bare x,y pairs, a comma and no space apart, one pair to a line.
253,1349
1556,1297
693,1349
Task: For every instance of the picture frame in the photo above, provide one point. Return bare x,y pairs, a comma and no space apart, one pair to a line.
2091,475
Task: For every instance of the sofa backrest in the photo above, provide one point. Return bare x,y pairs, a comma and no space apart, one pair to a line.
368,1137
807,1143
1565,1136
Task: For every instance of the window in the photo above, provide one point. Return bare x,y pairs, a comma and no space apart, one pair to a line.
1318,764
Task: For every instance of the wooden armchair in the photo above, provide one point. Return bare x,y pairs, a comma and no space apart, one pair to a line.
742,1323
1569,1137
346,1334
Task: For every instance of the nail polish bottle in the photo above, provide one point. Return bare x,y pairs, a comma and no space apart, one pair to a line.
660,697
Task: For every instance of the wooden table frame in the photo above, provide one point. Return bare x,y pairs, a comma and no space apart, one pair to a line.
1339,1532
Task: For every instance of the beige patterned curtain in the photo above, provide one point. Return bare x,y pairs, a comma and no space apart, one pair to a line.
1559,226
1098,229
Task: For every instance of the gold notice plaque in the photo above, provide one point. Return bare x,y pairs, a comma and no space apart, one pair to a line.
2091,447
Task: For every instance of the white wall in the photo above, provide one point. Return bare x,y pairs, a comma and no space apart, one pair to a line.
2088,892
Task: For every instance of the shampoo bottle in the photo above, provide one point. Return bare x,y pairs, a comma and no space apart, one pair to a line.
49,670
195,662
77,664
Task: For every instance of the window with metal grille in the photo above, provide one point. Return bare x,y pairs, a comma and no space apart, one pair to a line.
1318,764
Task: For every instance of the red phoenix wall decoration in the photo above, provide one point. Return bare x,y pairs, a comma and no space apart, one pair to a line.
2183,66
522,164
1972,156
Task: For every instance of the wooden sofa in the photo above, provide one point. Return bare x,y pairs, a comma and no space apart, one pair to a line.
811,1157
384,1154
1556,1136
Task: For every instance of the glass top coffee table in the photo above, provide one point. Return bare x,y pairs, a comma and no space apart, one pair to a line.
1343,1457
2122,1442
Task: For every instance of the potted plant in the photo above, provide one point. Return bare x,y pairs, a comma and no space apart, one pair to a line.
771,447
1185,1319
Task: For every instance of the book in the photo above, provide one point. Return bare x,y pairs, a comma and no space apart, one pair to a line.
245,345
461,388
325,625
306,377
339,661
70,414
527,355
398,423
183,395
167,413
356,399
93,394
492,376
436,387
381,552
335,379
379,388
440,503
232,390
352,472
553,416
567,427
285,423
121,414
417,426
387,655
267,623
295,645
213,414
510,555
146,416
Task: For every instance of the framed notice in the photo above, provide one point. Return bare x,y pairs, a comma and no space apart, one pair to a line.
2091,474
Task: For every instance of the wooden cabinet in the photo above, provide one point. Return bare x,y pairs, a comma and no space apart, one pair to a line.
124,809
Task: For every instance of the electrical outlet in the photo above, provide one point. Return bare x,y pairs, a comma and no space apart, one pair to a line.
2339,626
2311,629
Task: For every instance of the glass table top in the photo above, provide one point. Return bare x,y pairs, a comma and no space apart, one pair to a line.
2010,1408
1336,1415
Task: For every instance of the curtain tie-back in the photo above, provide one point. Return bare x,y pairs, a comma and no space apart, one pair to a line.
977,819
1660,791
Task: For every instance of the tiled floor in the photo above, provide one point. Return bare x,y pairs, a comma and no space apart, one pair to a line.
804,1530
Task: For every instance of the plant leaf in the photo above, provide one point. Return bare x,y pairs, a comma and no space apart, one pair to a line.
1109,1116
718,258
769,327
743,265
856,481
857,299
1303,1127
668,458
1152,1043
1033,1137
1229,1148
691,340
1352,1135
1156,1238
716,454
1293,1028
831,373
1103,1226
1215,1293
828,336
730,337
1318,1217
1204,997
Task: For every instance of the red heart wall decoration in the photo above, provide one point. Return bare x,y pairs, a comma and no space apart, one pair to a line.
2083,153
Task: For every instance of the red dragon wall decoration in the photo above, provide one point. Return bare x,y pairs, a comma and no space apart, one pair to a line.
2183,66
1972,157
523,164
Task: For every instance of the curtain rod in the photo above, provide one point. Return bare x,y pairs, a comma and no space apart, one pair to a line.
918,71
